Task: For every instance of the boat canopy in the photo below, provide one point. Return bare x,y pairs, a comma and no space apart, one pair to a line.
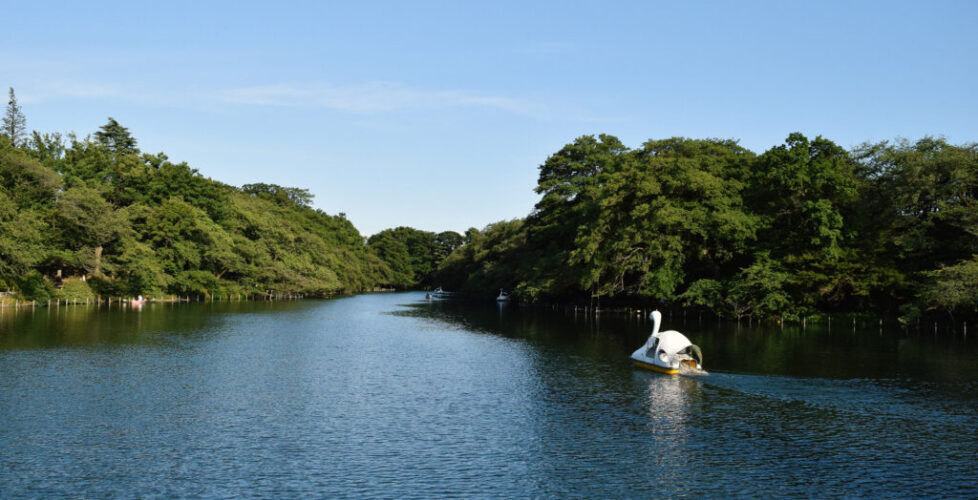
672,342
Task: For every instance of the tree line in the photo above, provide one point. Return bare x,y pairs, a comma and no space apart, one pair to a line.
96,216
805,227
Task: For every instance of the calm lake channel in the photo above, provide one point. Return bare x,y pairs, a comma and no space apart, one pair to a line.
396,396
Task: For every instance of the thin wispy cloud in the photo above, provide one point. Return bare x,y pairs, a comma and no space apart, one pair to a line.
546,48
367,98
50,91
371,97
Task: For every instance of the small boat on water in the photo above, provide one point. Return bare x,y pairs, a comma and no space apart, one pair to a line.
668,352
503,296
438,293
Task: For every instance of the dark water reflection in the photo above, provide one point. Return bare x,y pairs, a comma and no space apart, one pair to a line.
394,396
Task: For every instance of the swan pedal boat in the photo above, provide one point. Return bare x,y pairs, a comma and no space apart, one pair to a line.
668,352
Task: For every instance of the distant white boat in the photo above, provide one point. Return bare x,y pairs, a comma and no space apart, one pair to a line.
503,296
668,352
438,293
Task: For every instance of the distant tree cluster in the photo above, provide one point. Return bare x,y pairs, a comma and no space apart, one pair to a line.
413,255
805,227
83,217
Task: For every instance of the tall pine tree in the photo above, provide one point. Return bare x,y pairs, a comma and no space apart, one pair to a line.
14,123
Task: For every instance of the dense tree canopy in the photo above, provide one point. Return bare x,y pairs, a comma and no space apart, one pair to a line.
413,255
132,223
806,226
803,227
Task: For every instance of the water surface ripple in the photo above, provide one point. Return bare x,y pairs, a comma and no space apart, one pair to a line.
392,396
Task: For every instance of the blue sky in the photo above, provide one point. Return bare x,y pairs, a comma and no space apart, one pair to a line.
436,115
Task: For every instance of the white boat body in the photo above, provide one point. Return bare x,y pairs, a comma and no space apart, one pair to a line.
503,296
668,351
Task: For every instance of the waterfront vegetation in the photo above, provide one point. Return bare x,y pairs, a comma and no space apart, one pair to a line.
806,227
81,218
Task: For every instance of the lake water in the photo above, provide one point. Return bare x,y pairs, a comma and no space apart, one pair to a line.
390,395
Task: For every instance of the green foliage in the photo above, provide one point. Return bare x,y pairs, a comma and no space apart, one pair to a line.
413,255
489,260
116,138
139,224
672,209
24,179
14,125
76,290
281,195
806,226
34,286
953,288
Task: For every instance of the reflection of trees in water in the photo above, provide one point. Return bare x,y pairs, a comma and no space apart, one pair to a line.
26,328
766,348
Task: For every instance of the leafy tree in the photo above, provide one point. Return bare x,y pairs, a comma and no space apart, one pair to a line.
925,219
22,240
444,244
570,183
953,288
673,209
801,190
14,123
47,147
87,222
24,179
412,254
490,259
279,194
396,255
116,138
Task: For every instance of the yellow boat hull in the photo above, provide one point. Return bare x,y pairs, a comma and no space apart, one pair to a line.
650,366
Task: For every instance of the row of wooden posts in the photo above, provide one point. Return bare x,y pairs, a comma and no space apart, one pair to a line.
585,310
644,313
173,298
